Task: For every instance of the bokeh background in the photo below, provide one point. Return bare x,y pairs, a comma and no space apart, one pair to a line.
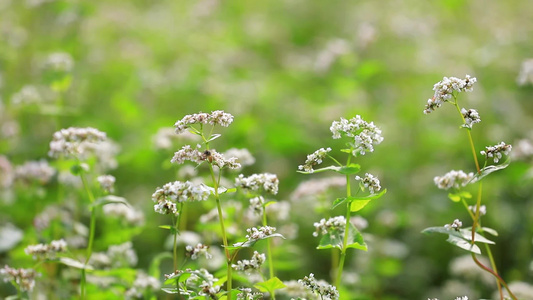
286,69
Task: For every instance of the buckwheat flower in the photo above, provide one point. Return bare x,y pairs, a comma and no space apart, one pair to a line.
526,73
39,171
314,159
247,294
220,161
43,251
24,278
453,179
255,234
29,94
296,290
142,283
482,209
471,117
370,182
59,62
365,135
255,263
7,175
179,191
188,153
203,280
269,182
456,225
244,157
444,91
322,288
107,183
324,226
462,298
122,255
496,151
196,251
257,205
218,117
131,215
75,141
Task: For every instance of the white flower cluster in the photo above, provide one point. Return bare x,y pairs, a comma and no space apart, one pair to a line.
482,209
39,171
471,117
314,159
247,294
444,90
337,223
456,225
212,156
496,151
122,255
196,251
458,298
365,134
244,157
141,284
453,179
256,205
107,183
29,94
127,213
296,290
370,182
326,291
60,62
75,141
258,259
217,117
255,234
176,192
269,182
203,280
24,278
46,250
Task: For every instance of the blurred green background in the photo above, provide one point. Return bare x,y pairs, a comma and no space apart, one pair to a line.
287,69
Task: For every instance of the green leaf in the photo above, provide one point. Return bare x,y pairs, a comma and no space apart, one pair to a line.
489,169
330,168
110,199
170,290
181,276
231,190
338,202
352,199
357,205
165,226
350,169
490,231
270,285
463,244
464,234
250,243
456,197
355,239
467,235
74,263
213,137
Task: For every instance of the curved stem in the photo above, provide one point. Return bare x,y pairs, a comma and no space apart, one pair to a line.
500,280
269,253
346,232
92,227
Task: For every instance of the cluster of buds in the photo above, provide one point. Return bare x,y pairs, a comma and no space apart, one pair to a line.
42,251
269,182
217,117
365,135
314,159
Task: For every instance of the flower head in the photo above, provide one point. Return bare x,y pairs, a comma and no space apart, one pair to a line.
496,151
196,251
24,278
456,225
453,179
269,182
255,234
31,171
365,135
217,117
370,182
471,117
75,141
176,192
444,90
314,159
106,182
326,291
335,223
253,264
48,250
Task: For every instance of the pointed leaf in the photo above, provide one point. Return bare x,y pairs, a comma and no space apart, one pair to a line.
350,169
355,239
467,235
490,231
170,290
335,239
338,202
489,169
250,243
330,168
213,137
357,205
270,285
461,243
110,199
74,263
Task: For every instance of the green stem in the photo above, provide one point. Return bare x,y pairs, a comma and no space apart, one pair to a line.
92,227
346,231
175,244
269,254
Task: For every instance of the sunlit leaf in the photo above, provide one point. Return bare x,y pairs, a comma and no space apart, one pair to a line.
490,231
250,243
213,137
357,205
463,244
456,197
334,238
110,199
74,263
270,285
489,169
